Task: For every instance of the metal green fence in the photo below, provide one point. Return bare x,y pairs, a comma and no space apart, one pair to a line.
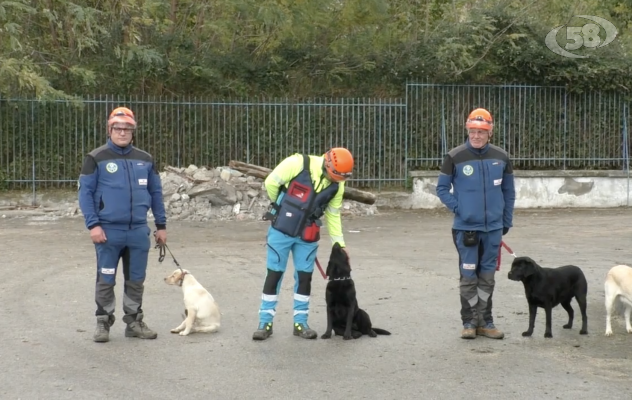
42,144
541,127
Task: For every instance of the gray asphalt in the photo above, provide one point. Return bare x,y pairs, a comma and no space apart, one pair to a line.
404,267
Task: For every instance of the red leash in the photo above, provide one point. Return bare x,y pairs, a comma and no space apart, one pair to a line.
500,250
321,269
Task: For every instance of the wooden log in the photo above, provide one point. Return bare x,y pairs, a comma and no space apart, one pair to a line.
262,172
358,195
176,171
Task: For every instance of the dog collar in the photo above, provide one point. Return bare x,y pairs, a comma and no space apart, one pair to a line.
344,278
181,280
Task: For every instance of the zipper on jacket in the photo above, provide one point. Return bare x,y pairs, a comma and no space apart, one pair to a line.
131,202
484,189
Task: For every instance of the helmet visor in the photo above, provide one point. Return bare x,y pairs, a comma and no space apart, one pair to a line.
479,123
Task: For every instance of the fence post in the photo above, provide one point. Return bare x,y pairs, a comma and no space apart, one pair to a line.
406,136
32,127
565,125
626,149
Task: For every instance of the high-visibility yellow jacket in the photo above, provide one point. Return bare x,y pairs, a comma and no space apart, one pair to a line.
290,168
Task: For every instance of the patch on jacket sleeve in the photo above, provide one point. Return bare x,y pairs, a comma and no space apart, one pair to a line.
498,181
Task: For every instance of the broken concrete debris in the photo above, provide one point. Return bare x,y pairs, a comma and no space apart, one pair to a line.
200,194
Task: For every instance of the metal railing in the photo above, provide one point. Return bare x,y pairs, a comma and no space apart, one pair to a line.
541,127
42,144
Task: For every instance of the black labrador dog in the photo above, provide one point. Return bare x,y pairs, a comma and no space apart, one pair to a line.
548,287
344,316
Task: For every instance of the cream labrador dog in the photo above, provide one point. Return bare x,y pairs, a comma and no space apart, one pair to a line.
618,288
202,312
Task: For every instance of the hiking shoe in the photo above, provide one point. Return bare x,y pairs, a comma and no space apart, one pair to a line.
263,332
102,332
468,332
304,331
139,329
489,331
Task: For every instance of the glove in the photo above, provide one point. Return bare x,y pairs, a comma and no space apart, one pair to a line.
505,230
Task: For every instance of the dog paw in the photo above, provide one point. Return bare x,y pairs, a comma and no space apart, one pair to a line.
527,334
629,330
347,337
548,335
175,330
184,333
583,332
567,326
372,334
326,336
608,332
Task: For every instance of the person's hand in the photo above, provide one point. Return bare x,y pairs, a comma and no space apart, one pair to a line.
161,236
97,235
505,230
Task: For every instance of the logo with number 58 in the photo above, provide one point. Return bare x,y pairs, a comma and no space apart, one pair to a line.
581,36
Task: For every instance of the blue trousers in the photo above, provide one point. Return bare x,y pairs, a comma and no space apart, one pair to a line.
477,267
131,246
303,256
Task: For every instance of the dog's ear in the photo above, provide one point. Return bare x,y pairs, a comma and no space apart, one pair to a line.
336,246
528,266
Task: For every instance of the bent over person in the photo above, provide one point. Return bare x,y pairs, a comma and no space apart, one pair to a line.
482,201
303,188
118,185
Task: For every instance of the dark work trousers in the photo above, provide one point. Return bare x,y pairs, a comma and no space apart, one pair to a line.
477,267
132,246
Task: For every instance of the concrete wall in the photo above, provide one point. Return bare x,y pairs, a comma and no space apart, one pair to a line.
534,189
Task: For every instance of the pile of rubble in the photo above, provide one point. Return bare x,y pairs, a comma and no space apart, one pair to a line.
190,194
200,194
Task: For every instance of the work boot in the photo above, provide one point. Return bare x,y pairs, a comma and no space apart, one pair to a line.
304,331
139,329
102,332
468,332
263,332
490,331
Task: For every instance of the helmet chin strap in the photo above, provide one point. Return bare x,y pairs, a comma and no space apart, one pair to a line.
325,173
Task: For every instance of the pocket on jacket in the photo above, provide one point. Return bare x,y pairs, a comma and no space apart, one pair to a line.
496,173
141,176
109,205
466,211
146,198
142,204
98,202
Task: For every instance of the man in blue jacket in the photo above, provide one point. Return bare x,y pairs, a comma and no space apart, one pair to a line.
482,201
117,186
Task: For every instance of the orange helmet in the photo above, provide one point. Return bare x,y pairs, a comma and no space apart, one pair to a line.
123,115
479,119
339,164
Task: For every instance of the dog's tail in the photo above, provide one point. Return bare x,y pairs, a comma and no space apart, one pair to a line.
381,331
